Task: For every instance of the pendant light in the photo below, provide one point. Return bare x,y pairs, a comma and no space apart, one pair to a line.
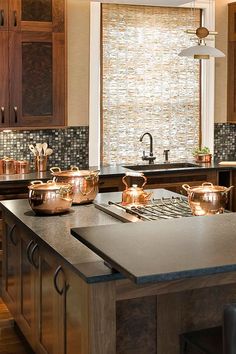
201,50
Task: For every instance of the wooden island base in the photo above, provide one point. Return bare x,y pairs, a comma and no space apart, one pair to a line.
59,312
149,319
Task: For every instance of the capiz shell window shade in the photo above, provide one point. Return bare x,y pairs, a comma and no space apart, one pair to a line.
146,86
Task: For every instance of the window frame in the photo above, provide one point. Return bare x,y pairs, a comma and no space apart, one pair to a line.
207,80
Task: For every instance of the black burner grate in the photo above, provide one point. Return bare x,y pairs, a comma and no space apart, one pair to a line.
165,208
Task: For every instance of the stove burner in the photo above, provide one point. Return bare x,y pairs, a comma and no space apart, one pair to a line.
164,208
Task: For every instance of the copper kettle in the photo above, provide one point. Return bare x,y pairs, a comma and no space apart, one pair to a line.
134,194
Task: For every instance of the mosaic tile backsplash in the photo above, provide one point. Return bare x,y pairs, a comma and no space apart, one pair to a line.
70,145
225,141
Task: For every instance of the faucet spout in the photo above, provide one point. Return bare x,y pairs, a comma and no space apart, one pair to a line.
149,158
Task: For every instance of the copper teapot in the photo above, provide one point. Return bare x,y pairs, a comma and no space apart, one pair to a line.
134,194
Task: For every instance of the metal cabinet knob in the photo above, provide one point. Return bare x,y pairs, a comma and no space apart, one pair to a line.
15,113
2,115
2,18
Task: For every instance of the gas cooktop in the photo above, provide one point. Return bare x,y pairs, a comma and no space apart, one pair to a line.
161,208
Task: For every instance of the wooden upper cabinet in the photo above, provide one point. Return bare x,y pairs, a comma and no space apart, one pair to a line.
36,60
231,104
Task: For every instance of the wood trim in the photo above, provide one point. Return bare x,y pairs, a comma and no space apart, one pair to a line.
232,22
4,79
102,318
59,79
36,26
125,289
15,81
58,13
36,37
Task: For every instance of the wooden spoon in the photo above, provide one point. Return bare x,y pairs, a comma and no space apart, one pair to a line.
44,146
39,148
32,148
49,152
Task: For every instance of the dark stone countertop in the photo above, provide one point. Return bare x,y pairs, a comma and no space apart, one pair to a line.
118,170
24,178
166,250
112,171
54,231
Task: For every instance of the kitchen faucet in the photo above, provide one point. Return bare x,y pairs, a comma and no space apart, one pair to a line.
149,158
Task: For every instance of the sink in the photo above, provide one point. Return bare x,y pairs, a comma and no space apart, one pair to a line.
161,166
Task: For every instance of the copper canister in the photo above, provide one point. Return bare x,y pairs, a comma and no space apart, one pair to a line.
22,166
9,166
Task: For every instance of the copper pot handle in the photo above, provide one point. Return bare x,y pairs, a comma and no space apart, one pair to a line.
134,174
87,193
228,189
55,169
74,168
186,187
207,184
36,182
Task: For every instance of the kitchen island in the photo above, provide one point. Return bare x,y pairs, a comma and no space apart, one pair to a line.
168,277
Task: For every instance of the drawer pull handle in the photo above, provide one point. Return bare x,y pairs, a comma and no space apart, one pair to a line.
36,265
65,287
15,18
15,113
28,250
2,20
2,115
14,242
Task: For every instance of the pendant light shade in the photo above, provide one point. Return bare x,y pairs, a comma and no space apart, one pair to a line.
201,50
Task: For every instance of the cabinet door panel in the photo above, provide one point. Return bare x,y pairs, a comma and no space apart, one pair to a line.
26,319
36,10
4,79
37,82
37,79
3,15
48,340
76,323
11,268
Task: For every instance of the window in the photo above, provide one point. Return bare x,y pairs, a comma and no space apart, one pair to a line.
207,80
146,86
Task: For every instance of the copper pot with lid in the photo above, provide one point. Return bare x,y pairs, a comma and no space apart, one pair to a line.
134,195
84,183
50,198
207,199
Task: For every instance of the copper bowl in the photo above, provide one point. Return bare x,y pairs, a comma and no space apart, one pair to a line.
50,198
207,199
84,183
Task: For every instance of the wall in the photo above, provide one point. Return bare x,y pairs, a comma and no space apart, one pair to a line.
78,32
221,64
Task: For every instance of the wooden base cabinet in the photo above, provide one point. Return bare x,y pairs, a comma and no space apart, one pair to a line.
51,304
